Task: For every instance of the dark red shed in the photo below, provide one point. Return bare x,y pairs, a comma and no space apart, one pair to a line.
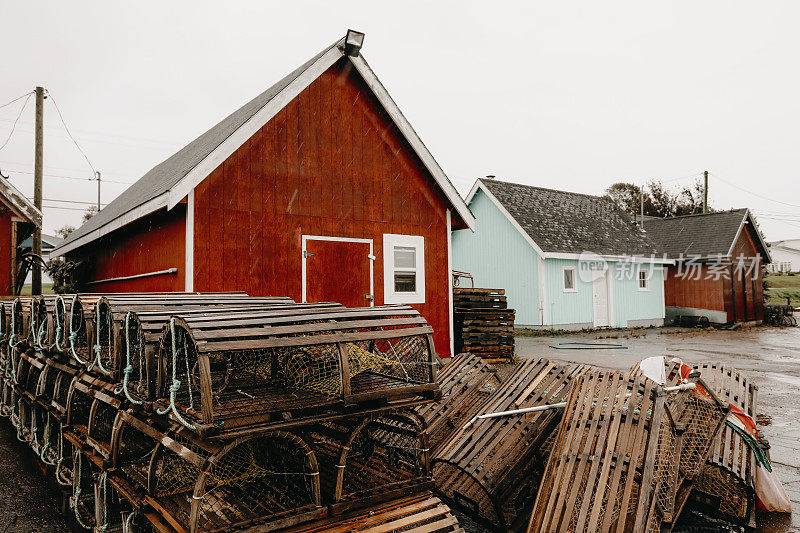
318,189
18,220
718,265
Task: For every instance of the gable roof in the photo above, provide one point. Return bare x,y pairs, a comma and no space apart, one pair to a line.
560,222
169,182
705,235
18,204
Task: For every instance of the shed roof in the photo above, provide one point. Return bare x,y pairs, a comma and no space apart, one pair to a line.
169,182
705,235
568,222
18,204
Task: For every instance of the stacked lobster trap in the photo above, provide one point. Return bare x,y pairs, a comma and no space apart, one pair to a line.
627,452
218,412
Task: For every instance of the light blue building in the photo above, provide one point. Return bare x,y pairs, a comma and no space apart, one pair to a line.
566,260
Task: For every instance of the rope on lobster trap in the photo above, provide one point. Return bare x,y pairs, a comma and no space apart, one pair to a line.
46,446
60,478
98,361
74,334
176,384
128,367
77,490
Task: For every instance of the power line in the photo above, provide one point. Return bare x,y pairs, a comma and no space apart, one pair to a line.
63,207
15,99
61,176
67,201
94,172
754,193
14,126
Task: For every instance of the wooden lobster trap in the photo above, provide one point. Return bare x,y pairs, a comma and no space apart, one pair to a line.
130,330
726,482
699,415
269,480
228,376
368,460
420,513
466,382
491,469
111,313
614,463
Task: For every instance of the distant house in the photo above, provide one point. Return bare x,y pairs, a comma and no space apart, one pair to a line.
718,259
18,220
566,260
785,256
318,189
48,243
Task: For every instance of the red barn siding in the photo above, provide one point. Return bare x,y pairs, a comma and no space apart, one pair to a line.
330,163
5,252
156,242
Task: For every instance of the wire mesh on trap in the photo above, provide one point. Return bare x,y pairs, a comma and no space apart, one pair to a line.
252,480
286,375
364,456
720,489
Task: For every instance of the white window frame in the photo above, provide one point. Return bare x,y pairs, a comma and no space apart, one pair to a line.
564,279
390,241
639,271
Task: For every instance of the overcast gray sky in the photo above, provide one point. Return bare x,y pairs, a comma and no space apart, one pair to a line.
569,95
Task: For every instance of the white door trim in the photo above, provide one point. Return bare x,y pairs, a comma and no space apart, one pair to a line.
188,284
305,238
450,310
597,286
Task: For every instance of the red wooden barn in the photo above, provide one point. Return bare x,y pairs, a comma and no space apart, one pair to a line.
18,220
718,269
318,189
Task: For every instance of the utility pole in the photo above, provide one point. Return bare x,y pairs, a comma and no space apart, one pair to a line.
38,169
97,175
641,201
705,191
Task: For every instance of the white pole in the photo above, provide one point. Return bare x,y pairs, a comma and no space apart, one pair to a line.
536,408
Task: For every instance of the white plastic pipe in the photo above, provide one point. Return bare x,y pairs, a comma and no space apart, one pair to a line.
681,387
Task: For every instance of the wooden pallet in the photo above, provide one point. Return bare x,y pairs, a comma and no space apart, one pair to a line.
483,325
483,298
466,382
491,470
727,481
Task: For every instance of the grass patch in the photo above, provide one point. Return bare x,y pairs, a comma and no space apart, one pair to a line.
783,281
780,287
47,288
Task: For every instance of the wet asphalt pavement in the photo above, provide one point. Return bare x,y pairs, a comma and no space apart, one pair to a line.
29,501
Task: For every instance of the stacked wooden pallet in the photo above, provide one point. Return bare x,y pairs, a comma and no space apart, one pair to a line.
483,324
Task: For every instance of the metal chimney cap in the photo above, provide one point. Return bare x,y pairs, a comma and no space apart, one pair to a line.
353,42
490,176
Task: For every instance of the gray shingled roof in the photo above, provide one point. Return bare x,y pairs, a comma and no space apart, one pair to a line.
568,222
703,235
169,172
